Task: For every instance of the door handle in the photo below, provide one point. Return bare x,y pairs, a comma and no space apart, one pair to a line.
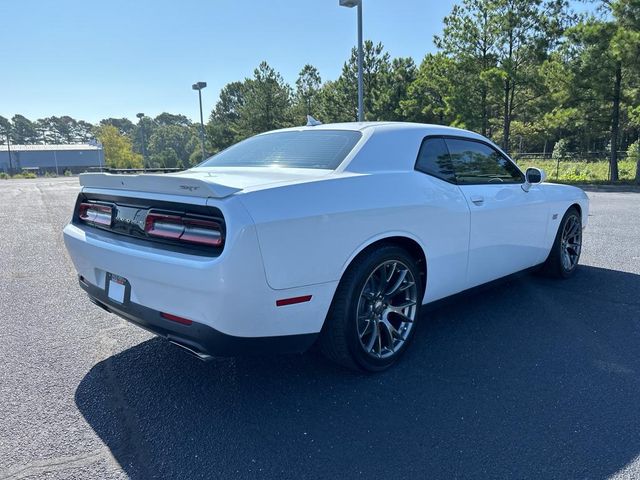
477,199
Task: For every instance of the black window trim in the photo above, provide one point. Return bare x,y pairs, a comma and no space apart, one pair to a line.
468,139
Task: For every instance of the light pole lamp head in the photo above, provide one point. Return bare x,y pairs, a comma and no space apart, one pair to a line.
199,85
350,3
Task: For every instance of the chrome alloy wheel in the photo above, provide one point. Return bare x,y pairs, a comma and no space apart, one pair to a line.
387,309
571,242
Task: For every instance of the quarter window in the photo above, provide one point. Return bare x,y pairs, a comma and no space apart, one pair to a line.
434,159
477,163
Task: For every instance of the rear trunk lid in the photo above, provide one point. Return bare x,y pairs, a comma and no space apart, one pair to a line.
218,182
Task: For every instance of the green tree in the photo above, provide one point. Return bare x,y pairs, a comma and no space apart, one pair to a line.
394,89
376,64
307,88
335,104
5,129
169,146
223,128
498,47
171,119
124,125
470,36
428,98
118,150
141,133
267,102
84,132
258,104
23,131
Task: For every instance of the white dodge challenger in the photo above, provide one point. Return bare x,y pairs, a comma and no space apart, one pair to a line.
330,233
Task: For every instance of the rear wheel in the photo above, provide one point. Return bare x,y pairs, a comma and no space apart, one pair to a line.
565,253
374,311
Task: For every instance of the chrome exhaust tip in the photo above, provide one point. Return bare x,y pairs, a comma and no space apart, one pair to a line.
192,351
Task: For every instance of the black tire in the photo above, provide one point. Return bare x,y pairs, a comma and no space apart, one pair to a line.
554,265
340,340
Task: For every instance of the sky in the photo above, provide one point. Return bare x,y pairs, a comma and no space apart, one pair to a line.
99,59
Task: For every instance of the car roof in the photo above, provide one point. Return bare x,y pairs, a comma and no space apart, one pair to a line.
386,126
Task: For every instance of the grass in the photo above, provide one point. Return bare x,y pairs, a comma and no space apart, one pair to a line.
576,171
5,176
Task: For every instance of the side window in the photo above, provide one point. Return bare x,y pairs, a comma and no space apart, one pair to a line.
433,159
477,163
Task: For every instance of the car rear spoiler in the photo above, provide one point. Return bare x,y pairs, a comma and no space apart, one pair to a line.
173,184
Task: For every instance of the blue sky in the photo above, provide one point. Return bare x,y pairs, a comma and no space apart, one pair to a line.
93,60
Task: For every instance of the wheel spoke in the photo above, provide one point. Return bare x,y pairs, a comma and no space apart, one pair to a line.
402,306
382,281
372,339
379,338
394,333
401,276
403,316
406,285
366,328
573,231
388,277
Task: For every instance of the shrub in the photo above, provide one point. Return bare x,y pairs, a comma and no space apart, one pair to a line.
67,173
633,152
25,175
4,176
560,149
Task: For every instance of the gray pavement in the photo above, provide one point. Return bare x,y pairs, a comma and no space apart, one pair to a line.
528,378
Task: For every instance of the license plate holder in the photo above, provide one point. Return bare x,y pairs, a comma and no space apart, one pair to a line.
118,288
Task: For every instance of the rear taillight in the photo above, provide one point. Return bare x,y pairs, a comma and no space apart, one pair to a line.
200,231
96,214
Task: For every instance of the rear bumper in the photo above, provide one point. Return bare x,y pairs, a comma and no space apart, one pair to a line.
228,293
198,339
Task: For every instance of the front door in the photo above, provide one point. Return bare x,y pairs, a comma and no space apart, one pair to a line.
507,224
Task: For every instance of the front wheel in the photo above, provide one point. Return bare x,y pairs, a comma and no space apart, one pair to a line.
565,253
374,311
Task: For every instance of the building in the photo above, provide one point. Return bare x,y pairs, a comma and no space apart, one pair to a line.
76,158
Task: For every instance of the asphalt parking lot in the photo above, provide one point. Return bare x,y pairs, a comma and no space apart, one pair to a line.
530,378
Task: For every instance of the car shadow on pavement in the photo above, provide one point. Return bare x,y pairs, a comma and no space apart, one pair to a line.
531,378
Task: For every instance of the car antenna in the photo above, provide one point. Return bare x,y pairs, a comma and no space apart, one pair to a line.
312,122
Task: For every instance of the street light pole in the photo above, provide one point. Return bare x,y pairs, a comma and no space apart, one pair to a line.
199,86
351,4
9,152
144,148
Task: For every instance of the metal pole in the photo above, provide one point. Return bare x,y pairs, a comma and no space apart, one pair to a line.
100,156
144,147
201,126
9,152
55,160
360,60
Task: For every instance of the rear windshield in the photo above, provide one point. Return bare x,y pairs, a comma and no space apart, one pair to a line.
298,149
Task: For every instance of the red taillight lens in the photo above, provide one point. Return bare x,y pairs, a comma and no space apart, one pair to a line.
164,226
176,318
185,229
96,214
